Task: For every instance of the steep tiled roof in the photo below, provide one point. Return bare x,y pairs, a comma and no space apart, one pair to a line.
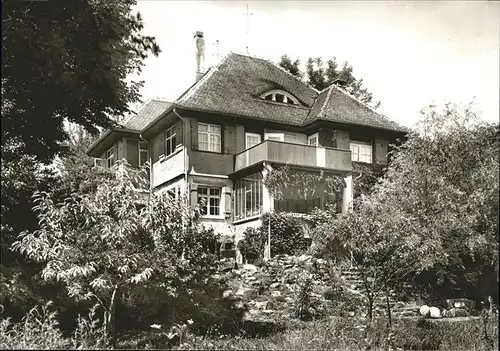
235,84
234,87
148,112
334,104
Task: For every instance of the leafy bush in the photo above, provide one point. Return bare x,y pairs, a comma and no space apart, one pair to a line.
287,237
39,329
252,245
303,303
106,246
287,234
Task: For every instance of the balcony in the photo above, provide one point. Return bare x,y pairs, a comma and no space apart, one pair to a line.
295,155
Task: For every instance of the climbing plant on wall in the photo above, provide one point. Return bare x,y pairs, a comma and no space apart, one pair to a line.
306,182
370,174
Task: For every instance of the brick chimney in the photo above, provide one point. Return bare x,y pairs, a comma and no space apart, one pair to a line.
200,54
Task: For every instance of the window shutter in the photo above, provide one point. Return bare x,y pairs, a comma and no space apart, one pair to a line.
194,195
194,134
229,139
381,151
342,138
240,138
178,132
132,152
226,192
159,145
115,153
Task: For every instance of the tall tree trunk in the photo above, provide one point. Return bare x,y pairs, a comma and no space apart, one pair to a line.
370,306
109,318
388,308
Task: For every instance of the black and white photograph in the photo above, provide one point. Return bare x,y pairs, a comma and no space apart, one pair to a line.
250,175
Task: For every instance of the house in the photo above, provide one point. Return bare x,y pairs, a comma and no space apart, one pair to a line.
238,121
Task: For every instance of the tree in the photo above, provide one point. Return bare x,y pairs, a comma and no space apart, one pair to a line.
78,174
66,60
101,245
292,67
381,245
321,77
433,219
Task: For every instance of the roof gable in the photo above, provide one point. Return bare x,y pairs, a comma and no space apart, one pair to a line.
151,110
235,85
336,105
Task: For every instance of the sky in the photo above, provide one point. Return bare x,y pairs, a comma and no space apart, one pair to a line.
409,54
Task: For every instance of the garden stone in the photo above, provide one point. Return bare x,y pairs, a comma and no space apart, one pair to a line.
268,311
424,310
261,305
435,313
276,293
227,294
274,285
250,267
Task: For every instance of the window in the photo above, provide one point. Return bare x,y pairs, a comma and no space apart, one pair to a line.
110,157
251,139
280,96
313,140
143,153
170,142
248,197
361,151
209,137
211,200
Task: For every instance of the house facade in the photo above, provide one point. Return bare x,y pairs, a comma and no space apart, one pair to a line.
241,119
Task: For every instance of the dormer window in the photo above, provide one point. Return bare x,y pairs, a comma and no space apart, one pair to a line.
280,96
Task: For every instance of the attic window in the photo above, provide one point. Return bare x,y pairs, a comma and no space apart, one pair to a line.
280,96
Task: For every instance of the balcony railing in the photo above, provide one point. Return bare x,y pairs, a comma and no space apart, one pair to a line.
294,154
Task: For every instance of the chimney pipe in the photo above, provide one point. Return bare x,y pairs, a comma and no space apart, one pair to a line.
200,54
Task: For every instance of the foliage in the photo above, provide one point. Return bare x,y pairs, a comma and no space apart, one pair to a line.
305,182
287,233
321,77
287,237
352,334
77,171
319,216
291,67
429,217
89,333
103,245
370,175
252,244
303,302
39,329
19,282
69,61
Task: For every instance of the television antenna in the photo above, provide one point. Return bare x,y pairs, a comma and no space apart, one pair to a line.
247,26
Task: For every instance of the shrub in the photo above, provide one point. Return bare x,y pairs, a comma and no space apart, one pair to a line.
287,234
287,237
252,245
303,303
38,330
